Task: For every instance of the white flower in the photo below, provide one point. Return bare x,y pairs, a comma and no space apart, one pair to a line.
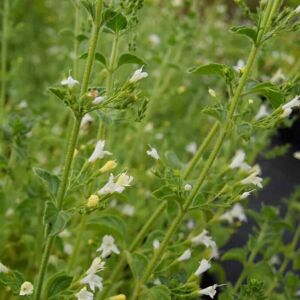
187,187
237,212
94,281
128,210
3,269
245,195
99,152
83,294
240,65
278,76
138,75
153,153
209,291
154,39
156,244
177,3
297,155
26,289
98,100
186,255
287,108
96,266
157,281
207,241
119,186
70,82
254,179
191,147
212,93
64,234
203,267
108,246
262,112
149,127
297,10
23,104
68,249
191,224
238,161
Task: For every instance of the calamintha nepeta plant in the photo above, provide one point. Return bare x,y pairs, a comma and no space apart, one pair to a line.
105,226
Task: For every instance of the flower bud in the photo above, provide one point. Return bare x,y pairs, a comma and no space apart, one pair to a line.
110,165
92,201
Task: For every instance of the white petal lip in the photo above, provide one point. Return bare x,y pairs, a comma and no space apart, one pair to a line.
203,267
293,103
153,153
138,75
83,294
238,159
26,289
98,100
186,255
108,246
99,151
3,269
209,291
70,82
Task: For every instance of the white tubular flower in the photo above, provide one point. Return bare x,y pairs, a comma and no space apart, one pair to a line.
191,148
26,289
128,210
240,65
254,179
138,75
203,267
186,255
209,291
245,195
96,266
87,119
108,246
262,112
297,155
70,82
94,281
116,187
99,152
98,100
212,93
153,153
207,241
3,269
154,39
237,212
83,294
188,187
238,161
287,108
156,244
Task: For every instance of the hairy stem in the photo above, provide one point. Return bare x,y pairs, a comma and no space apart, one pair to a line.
267,16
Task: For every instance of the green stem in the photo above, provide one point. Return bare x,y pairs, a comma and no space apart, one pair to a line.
200,151
109,79
226,128
76,41
136,242
4,54
71,147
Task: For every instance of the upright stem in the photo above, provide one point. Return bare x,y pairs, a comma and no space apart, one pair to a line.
136,242
76,41
200,151
71,148
229,119
4,54
109,79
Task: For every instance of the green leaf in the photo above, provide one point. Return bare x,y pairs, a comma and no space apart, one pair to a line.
61,222
216,111
238,254
51,180
137,263
108,224
249,32
117,23
128,58
58,283
90,7
220,70
50,213
98,57
58,92
160,292
270,90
